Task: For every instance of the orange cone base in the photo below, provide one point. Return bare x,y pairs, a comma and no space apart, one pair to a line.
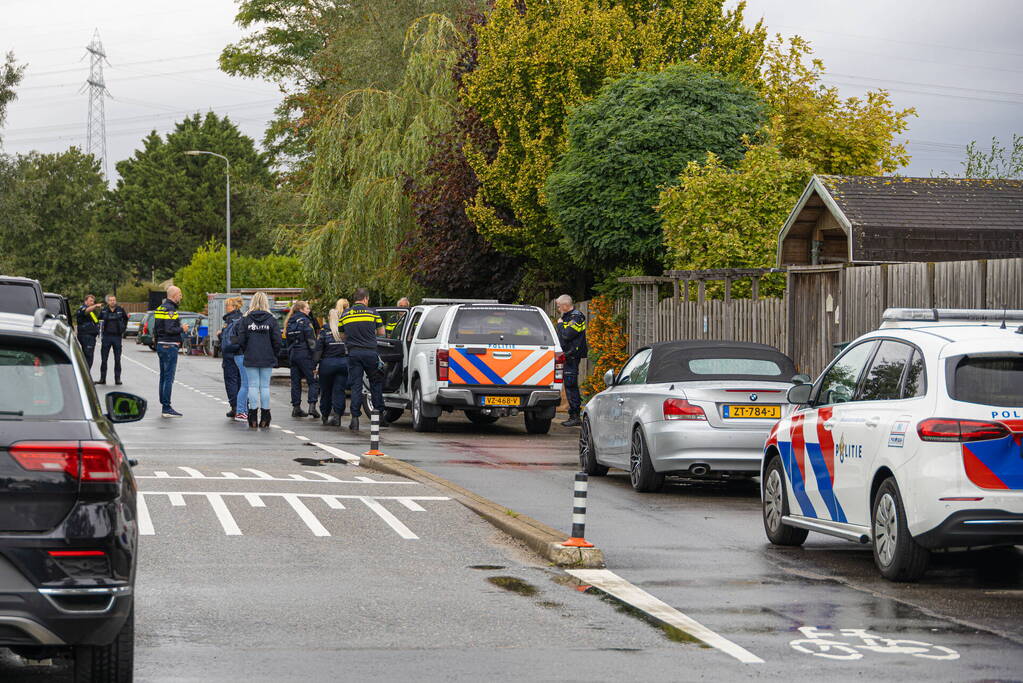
577,543
374,452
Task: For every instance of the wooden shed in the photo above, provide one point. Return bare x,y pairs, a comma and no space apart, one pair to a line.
874,219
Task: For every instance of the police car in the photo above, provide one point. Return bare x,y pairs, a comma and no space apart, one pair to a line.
911,439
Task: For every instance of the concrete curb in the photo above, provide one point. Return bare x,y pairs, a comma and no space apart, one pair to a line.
540,538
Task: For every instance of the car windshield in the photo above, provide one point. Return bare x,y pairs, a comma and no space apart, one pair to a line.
500,325
17,298
989,380
38,383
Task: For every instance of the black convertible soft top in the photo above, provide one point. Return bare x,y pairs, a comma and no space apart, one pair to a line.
669,361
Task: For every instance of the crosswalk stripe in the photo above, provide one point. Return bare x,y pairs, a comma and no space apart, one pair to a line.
223,515
142,512
307,516
391,520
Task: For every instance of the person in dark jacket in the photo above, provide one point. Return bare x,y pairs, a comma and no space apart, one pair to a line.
232,371
115,324
167,331
259,337
300,341
87,326
331,355
572,335
360,327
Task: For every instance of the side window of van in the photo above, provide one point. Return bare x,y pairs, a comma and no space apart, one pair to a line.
432,322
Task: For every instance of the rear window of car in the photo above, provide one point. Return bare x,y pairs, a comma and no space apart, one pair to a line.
733,366
136,317
989,380
38,383
18,298
684,363
493,325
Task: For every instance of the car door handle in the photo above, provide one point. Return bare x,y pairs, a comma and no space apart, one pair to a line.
829,424
873,421
621,399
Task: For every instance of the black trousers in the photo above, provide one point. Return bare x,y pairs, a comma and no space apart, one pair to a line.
110,342
302,366
88,342
333,384
362,361
232,380
572,386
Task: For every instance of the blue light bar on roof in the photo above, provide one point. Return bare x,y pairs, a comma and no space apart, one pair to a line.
951,315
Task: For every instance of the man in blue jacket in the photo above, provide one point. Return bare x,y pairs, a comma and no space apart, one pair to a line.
572,335
167,331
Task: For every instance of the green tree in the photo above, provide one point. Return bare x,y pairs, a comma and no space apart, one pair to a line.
720,217
50,222
206,273
635,136
168,204
996,163
539,60
10,76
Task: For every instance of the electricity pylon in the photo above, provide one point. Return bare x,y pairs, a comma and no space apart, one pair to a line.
96,137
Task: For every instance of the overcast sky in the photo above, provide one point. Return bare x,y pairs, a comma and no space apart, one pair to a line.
959,63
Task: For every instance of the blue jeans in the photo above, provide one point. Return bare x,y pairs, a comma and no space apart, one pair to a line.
259,387
168,355
242,400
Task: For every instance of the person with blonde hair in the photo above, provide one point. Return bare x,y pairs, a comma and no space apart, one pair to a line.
259,340
232,363
300,334
331,356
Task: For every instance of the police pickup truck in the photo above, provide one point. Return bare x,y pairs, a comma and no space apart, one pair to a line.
487,359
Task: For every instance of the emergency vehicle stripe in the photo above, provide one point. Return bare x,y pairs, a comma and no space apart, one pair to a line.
539,370
545,376
523,367
979,473
460,372
820,472
798,444
798,488
482,367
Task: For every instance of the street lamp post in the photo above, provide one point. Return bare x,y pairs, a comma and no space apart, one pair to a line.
197,152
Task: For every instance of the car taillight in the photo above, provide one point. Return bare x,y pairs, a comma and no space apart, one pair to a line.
145,328
559,368
681,409
443,360
85,460
960,431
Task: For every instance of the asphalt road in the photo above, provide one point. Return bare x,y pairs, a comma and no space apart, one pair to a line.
260,567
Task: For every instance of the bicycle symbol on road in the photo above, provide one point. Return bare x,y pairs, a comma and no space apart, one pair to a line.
820,644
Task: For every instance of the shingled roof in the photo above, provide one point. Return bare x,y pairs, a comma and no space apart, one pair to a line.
868,219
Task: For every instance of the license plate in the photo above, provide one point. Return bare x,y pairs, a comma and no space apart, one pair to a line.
499,400
733,412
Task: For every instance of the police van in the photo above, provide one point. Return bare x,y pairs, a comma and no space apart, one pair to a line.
486,359
911,439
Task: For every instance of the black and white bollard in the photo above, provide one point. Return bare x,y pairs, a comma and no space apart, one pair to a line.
374,434
578,539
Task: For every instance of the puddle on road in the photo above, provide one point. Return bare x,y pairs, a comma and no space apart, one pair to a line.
311,462
486,567
513,584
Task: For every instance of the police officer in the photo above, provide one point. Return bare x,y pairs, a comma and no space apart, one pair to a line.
300,341
115,323
403,302
572,335
167,332
331,355
87,323
361,327
233,377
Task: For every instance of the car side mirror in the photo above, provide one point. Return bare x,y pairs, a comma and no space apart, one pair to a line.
124,407
800,394
801,379
609,378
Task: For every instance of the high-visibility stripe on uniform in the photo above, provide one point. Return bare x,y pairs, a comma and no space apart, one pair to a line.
92,314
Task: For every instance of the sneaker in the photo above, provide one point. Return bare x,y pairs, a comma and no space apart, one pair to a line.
572,422
170,412
241,417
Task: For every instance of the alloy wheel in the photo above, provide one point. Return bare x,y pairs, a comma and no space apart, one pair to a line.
772,500
886,529
635,454
584,444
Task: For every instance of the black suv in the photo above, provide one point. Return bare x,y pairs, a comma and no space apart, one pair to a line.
20,295
68,526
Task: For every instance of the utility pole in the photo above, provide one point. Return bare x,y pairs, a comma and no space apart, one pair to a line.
96,138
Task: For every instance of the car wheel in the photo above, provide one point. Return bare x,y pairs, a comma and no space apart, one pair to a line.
420,422
641,471
479,418
898,557
113,663
587,454
537,425
393,414
776,506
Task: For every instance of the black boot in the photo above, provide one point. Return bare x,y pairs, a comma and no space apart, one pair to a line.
102,380
325,418
253,415
313,412
354,424
572,421
332,420
230,414
298,412
264,418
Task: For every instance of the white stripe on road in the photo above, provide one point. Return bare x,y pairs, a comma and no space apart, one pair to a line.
160,475
142,511
411,505
338,453
326,477
307,516
254,500
287,431
176,499
333,502
303,438
259,473
297,477
229,475
617,587
224,515
391,520
192,472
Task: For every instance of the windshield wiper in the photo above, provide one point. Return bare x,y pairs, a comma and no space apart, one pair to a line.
16,413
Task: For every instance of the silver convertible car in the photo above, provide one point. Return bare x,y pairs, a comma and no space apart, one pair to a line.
698,409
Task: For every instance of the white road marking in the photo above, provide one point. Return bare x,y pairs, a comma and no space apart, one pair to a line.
303,438
297,477
192,472
259,473
306,514
338,453
276,426
255,500
145,521
333,502
326,477
391,520
159,474
223,515
411,505
230,475
176,499
616,586
287,431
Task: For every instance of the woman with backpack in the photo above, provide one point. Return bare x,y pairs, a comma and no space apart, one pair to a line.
331,354
259,338
301,341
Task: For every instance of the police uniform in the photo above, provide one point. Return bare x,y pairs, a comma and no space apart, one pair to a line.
232,372
359,325
572,335
87,323
301,340
115,323
167,339
332,356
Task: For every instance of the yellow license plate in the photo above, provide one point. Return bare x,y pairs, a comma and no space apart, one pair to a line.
500,400
733,412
